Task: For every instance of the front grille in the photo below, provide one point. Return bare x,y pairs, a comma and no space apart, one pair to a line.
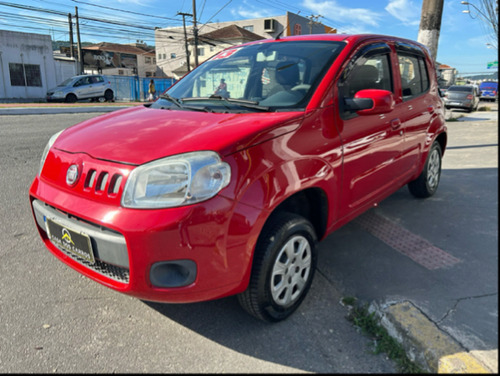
99,182
112,271
110,249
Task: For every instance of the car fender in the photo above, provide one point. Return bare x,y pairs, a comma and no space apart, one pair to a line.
259,198
436,131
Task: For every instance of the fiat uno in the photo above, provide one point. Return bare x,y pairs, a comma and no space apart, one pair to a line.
199,195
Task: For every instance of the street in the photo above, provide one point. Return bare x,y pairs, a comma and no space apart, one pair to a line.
55,320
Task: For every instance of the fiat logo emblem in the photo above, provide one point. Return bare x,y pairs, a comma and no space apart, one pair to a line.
72,175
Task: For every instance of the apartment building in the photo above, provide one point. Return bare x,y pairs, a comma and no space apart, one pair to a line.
170,43
119,59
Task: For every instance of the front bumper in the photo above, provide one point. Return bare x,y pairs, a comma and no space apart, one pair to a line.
458,104
134,249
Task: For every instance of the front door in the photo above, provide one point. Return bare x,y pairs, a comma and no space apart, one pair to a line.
372,144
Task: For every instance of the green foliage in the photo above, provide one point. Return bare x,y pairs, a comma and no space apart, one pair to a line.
384,343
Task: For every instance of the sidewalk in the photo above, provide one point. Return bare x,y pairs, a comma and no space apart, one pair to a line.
57,108
429,268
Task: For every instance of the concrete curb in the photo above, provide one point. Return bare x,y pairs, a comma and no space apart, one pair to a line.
427,345
57,110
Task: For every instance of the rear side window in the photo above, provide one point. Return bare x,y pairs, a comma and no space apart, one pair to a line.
414,75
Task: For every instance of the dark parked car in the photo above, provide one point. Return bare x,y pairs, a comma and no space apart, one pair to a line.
462,96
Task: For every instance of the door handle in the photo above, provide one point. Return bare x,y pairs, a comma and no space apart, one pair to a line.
395,123
430,109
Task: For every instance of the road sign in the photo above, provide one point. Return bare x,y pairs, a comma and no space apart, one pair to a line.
493,64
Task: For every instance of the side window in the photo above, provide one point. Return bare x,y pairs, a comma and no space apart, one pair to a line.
372,72
82,81
414,75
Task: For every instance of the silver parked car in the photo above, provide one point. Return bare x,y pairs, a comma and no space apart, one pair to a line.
462,96
95,87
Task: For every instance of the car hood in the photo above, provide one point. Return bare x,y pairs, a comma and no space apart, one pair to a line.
140,134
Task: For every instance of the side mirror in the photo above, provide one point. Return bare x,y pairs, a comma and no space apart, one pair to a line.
371,102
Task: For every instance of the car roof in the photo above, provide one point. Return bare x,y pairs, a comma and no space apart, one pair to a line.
349,38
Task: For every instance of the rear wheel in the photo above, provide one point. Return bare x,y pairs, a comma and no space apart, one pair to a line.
109,95
283,268
427,183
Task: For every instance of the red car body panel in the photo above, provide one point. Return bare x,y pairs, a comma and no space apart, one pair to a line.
273,156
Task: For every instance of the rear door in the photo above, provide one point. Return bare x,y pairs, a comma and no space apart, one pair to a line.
97,86
418,105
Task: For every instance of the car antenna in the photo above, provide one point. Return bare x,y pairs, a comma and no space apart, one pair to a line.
282,31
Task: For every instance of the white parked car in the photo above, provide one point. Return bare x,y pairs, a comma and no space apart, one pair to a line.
93,86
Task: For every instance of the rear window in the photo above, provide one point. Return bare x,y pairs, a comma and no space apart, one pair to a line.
488,86
459,88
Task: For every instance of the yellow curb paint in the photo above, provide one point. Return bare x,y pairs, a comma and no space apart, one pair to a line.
430,347
461,363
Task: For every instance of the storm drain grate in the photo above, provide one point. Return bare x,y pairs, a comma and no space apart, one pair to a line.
406,242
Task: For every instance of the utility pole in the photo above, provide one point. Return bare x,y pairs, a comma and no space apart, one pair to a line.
195,33
312,21
79,45
185,37
430,25
71,49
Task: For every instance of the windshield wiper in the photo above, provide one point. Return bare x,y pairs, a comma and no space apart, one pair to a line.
180,105
168,97
239,102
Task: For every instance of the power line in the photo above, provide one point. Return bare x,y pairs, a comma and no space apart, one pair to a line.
126,11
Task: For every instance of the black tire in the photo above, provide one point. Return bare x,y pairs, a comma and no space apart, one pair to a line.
71,98
283,268
427,183
109,95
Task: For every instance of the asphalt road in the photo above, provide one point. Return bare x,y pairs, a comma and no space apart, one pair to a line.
54,320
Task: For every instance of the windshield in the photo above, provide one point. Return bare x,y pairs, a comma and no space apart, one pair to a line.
66,82
260,77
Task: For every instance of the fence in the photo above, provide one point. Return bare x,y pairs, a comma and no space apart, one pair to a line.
133,88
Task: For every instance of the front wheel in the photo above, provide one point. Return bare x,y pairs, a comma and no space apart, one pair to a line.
427,183
70,98
283,268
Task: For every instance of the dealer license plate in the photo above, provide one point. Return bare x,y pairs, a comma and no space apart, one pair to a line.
75,242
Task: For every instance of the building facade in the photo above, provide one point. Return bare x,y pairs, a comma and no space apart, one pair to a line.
170,42
27,68
446,75
119,60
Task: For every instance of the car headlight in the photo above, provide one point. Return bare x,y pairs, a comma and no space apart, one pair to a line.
58,94
175,181
46,150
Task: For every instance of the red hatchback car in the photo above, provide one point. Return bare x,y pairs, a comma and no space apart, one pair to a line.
199,196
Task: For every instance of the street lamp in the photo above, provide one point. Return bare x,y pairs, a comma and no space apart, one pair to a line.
476,8
490,18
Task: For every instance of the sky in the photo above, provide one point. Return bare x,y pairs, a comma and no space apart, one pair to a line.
462,42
